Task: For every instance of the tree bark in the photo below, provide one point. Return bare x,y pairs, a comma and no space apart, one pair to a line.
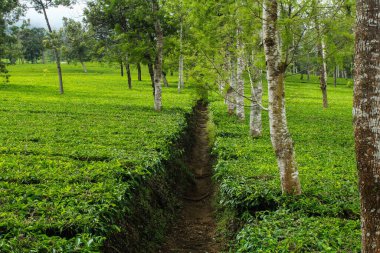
323,73
164,80
367,119
280,136
55,50
159,58
128,71
139,72
231,93
151,74
240,112
121,68
129,77
180,68
230,97
255,121
322,58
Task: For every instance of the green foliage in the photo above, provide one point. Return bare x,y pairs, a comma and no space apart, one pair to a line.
32,42
6,6
76,41
284,231
325,218
71,165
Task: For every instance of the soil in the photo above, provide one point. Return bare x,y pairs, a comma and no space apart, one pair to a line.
195,229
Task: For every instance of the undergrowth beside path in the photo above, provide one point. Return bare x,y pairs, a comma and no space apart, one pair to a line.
257,218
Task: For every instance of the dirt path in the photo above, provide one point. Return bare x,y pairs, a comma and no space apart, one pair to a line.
195,231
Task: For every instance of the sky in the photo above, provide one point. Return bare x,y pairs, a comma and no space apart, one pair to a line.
55,15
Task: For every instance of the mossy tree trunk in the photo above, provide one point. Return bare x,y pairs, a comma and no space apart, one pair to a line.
367,119
280,136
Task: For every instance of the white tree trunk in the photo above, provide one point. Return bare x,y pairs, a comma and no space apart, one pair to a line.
323,73
158,60
231,93
280,136
255,120
240,112
181,83
367,119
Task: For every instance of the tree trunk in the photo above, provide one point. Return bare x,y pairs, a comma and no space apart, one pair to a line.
231,93
323,73
322,60
308,67
128,70
165,81
280,136
367,119
240,113
335,76
83,67
180,68
56,53
151,74
139,72
230,97
159,58
255,121
121,68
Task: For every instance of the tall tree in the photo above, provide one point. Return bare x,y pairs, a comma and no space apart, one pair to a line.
159,56
32,41
240,112
76,42
41,6
6,6
321,49
367,119
276,67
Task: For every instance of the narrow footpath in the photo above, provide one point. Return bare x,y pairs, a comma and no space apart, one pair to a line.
195,230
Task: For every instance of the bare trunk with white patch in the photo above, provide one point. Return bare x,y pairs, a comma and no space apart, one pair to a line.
323,73
367,119
280,136
239,77
255,120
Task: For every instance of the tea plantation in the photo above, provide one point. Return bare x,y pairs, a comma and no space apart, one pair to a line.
98,170
76,168
325,218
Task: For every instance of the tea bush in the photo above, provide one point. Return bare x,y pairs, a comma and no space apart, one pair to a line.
75,168
325,218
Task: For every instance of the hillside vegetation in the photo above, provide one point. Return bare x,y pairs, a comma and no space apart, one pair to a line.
75,168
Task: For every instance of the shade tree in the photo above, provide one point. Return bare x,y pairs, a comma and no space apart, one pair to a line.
6,7
76,42
41,7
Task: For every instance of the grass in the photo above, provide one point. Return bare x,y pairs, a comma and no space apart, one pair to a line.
71,163
326,217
